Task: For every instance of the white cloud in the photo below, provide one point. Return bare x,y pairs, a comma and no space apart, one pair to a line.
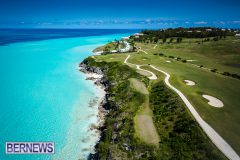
148,20
200,22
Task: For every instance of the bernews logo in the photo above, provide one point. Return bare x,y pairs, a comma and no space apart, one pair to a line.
29,148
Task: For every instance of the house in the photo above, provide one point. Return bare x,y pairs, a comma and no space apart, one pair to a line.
124,38
237,35
209,30
114,51
138,34
127,47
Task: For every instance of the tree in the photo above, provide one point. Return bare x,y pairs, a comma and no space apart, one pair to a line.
164,40
178,40
155,39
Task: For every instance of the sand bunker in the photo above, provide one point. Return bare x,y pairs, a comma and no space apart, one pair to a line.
168,61
189,83
191,60
213,101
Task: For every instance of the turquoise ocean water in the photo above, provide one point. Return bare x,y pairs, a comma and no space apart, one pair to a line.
43,96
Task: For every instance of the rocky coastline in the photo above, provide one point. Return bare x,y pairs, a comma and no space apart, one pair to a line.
100,79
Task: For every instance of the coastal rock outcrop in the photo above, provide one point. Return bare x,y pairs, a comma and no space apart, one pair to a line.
105,105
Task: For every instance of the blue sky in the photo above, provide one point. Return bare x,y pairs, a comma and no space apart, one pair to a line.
118,14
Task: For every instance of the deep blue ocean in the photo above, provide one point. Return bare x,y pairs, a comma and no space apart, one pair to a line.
43,96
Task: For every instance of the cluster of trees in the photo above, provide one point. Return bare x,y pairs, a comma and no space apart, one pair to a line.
181,137
172,57
197,32
233,75
153,36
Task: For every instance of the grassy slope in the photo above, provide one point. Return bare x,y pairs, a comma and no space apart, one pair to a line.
109,46
225,120
144,125
220,55
181,137
125,103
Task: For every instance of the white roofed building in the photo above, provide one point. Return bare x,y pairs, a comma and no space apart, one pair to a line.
209,30
124,38
237,35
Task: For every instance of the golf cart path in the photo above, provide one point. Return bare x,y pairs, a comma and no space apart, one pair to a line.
221,144
138,67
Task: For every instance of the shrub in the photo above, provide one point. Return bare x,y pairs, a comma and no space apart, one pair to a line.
213,70
161,54
226,73
178,58
236,76
215,39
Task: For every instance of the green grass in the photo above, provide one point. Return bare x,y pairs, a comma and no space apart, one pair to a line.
124,103
109,46
139,86
220,55
143,123
224,120
181,137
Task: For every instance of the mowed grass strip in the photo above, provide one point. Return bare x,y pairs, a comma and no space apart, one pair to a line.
144,124
139,86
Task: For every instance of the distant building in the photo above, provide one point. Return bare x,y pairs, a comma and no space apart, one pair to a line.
209,29
114,51
124,38
189,31
127,47
199,31
138,34
237,35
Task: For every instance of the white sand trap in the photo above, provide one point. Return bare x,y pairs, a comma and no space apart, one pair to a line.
191,60
144,59
168,61
189,83
111,58
213,101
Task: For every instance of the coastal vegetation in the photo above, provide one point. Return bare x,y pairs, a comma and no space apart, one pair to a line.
177,34
107,47
181,137
119,138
